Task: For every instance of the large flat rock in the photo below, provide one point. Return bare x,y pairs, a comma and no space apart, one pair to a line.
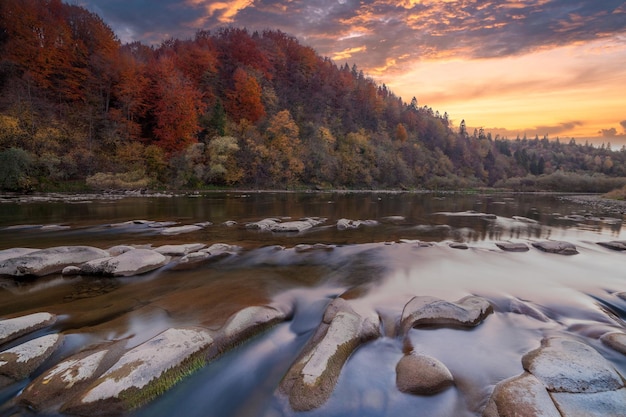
50,261
597,404
311,380
15,253
11,329
556,246
566,365
20,361
431,311
144,372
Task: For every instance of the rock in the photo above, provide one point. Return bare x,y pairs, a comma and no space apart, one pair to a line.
176,230
22,360
245,324
615,340
66,380
422,375
301,248
619,245
119,249
458,245
512,247
311,380
566,365
294,226
520,307
50,261
71,270
15,253
558,247
598,404
520,396
11,329
134,262
427,311
469,213
229,223
144,372
264,224
179,250
345,224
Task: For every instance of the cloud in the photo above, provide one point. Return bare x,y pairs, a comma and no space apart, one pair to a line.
623,122
541,131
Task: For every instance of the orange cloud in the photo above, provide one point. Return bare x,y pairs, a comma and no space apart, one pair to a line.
347,53
224,11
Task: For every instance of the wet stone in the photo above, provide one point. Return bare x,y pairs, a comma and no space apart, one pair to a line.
179,250
11,329
177,230
597,404
422,375
566,365
346,224
512,247
558,247
15,252
458,245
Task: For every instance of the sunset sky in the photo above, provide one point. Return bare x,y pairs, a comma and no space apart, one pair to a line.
555,67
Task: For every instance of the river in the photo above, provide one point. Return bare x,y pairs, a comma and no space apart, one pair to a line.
402,249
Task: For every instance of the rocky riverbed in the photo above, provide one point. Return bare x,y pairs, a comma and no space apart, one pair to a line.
527,320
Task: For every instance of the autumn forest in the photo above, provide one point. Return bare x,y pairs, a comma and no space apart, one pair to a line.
234,108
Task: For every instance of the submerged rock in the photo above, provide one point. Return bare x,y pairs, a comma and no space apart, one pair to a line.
264,224
20,361
619,245
458,245
144,372
11,329
428,311
176,230
213,253
301,248
133,262
309,383
512,247
345,224
615,340
50,261
522,396
558,247
295,226
179,250
566,365
422,375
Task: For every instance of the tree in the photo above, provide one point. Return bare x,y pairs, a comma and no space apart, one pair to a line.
243,101
176,108
283,146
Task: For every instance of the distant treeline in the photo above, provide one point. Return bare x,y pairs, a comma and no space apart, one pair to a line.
235,108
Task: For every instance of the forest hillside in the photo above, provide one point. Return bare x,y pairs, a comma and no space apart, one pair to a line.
241,109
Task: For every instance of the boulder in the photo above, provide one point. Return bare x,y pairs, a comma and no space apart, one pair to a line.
555,246
619,245
430,311
11,329
458,245
512,247
179,250
521,396
264,224
566,365
133,262
422,375
615,340
309,383
213,253
20,361
50,261
144,372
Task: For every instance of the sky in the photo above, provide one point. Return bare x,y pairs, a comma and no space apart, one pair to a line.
512,67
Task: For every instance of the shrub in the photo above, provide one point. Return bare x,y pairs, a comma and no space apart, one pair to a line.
16,168
121,181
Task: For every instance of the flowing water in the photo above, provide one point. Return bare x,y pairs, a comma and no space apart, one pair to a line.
380,265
